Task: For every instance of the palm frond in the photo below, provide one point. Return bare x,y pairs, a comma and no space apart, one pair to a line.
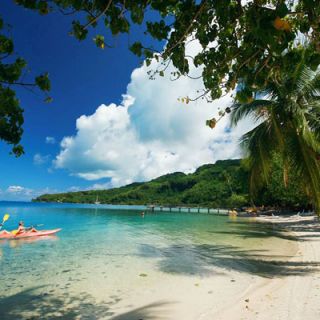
254,108
289,126
308,85
259,145
307,165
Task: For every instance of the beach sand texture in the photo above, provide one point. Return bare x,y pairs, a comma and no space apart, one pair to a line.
291,292
270,282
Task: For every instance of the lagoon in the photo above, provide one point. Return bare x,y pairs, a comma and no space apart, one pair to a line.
109,262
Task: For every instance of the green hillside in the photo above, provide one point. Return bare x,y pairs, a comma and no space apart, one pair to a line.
223,184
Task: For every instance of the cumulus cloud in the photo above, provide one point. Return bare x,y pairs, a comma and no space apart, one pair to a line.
50,140
150,133
39,159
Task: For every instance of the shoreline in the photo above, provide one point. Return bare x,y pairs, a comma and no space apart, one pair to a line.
293,297
191,208
230,294
250,271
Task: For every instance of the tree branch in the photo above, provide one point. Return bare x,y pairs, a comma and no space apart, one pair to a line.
202,95
245,62
67,13
19,83
99,16
188,29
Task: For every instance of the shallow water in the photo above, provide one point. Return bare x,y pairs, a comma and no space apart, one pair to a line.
106,254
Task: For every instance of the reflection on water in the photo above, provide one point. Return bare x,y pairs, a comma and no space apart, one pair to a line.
100,253
18,242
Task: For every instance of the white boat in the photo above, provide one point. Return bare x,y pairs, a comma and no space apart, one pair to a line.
284,219
97,201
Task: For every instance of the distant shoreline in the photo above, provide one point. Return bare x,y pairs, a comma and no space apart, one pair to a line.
224,184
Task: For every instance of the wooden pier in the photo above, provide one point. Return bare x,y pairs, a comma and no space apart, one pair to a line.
218,211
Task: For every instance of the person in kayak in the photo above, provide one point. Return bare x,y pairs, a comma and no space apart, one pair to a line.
21,228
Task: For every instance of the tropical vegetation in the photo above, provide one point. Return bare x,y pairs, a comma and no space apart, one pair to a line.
223,184
241,41
287,113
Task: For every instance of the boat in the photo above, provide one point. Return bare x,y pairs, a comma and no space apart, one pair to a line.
27,234
284,219
97,201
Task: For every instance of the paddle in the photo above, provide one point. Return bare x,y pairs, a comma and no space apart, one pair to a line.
5,218
34,226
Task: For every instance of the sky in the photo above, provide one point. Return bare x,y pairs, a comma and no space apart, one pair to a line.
108,124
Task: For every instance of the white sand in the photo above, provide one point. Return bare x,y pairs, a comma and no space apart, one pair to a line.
264,278
293,297
230,294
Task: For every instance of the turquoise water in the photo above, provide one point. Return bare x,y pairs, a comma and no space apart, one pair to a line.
104,255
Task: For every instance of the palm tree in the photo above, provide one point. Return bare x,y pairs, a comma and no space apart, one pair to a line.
287,114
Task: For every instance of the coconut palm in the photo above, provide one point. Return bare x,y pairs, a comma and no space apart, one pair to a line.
287,114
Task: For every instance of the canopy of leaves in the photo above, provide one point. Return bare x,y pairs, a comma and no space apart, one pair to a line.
240,39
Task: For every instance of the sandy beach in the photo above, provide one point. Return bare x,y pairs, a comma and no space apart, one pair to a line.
241,270
292,296
289,291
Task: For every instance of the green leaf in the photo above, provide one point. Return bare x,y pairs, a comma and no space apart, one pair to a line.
43,7
78,31
99,41
48,99
314,61
282,10
17,150
43,82
137,14
136,48
6,45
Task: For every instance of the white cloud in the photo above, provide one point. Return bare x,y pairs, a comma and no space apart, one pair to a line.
50,140
39,159
16,192
21,193
17,189
150,133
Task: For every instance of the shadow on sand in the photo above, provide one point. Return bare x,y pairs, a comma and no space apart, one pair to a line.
152,311
208,259
278,230
35,303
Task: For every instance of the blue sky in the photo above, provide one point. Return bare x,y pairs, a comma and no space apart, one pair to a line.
82,77
135,138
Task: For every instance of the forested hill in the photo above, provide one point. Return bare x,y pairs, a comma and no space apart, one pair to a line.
223,184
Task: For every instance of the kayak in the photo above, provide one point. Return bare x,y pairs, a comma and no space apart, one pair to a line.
27,234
